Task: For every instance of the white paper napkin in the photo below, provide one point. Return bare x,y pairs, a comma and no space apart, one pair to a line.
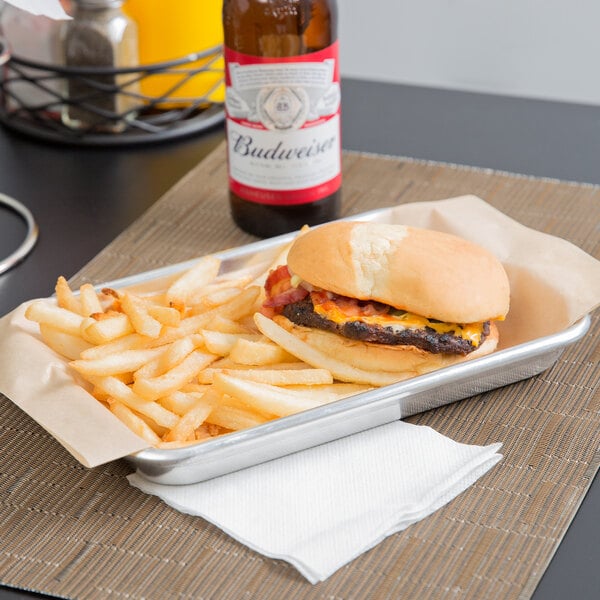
320,508
47,8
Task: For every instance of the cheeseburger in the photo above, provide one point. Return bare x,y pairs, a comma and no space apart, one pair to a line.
389,298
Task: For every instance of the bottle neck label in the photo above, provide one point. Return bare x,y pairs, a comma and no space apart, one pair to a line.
283,126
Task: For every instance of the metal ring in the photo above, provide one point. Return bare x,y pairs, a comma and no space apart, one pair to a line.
31,238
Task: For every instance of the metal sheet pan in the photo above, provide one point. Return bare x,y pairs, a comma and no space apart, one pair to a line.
285,435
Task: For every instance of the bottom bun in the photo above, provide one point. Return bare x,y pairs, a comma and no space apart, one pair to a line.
408,360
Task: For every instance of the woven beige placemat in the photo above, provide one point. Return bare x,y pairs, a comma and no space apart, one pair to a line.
80,533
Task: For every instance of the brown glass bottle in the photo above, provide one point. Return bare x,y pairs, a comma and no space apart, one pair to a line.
283,122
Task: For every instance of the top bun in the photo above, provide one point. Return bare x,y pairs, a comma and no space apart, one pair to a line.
432,274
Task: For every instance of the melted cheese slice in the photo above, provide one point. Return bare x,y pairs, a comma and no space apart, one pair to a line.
404,320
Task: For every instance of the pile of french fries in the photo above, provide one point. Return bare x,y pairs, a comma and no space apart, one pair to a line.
187,364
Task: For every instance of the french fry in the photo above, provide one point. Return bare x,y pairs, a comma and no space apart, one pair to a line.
156,387
222,343
54,316
109,327
171,355
256,353
206,375
217,293
181,402
215,397
159,430
114,296
215,298
88,298
225,325
166,315
113,364
193,280
67,345
214,430
132,341
65,297
135,423
341,390
243,304
136,309
265,398
282,377
123,393
179,349
100,395
187,326
231,417
188,423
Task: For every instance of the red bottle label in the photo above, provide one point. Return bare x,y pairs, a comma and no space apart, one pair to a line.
283,126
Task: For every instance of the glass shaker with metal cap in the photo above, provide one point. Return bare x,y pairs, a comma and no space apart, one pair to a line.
100,35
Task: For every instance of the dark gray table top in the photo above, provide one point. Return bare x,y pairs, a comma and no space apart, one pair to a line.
84,197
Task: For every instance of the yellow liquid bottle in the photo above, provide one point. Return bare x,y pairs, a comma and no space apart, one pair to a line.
173,29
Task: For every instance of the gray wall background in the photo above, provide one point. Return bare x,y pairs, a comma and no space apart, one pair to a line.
548,49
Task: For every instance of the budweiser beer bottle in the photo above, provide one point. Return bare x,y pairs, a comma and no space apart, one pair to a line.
283,113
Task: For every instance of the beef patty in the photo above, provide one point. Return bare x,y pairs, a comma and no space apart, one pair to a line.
302,313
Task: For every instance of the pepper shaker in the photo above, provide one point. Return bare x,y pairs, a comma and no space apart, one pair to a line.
100,35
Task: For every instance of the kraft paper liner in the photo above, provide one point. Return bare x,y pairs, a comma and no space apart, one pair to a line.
85,533
48,391
553,284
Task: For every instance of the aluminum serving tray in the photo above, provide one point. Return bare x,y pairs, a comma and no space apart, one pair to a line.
350,415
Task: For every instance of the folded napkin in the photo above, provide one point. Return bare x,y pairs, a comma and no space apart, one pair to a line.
320,508
47,8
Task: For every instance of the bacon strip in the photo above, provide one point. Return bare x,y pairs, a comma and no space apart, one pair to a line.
350,307
279,289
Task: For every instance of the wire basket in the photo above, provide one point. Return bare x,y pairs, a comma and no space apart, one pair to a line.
146,119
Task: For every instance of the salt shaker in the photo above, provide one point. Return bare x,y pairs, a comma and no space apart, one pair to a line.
100,35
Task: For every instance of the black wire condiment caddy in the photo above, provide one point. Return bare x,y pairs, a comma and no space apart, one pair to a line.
147,119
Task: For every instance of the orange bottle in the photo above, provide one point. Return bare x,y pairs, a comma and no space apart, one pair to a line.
173,30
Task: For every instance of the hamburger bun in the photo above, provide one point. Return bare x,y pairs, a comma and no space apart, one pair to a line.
429,273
